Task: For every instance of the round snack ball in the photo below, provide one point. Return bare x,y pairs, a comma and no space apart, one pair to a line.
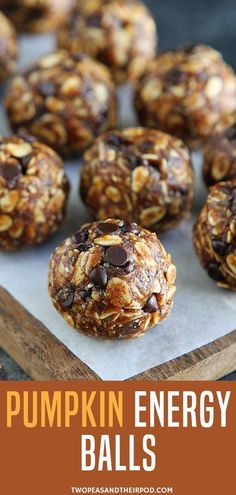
119,33
215,234
189,92
220,158
33,192
112,279
140,175
36,15
64,100
8,48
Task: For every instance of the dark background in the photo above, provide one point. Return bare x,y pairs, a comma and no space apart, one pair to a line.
187,21
182,21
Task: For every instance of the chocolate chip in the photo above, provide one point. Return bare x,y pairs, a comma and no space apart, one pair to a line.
78,57
73,23
174,76
151,305
35,13
3,375
107,228
145,146
117,256
130,228
25,160
114,141
98,277
46,88
81,237
94,20
220,247
11,173
66,297
135,161
129,267
67,68
214,272
82,248
233,205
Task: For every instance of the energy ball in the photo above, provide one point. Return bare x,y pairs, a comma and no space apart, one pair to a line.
215,234
64,100
189,92
112,279
140,175
119,33
220,158
8,48
36,15
33,192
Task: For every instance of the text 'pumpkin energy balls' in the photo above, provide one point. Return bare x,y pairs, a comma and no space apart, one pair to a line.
119,33
36,15
215,234
33,192
220,158
64,100
8,48
189,92
140,175
112,279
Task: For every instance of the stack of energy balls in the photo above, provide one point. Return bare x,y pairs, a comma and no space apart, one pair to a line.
113,278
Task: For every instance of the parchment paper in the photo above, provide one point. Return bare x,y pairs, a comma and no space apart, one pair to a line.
201,313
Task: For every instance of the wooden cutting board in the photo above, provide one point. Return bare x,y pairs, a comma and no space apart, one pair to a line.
43,357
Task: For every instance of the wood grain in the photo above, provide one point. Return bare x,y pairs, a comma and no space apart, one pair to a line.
210,362
41,355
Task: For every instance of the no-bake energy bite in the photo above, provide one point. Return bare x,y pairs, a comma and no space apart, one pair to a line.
189,92
8,48
112,279
215,234
36,15
33,192
220,158
3,375
140,175
64,100
119,33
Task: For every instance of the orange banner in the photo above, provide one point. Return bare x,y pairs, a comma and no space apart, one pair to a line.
117,437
